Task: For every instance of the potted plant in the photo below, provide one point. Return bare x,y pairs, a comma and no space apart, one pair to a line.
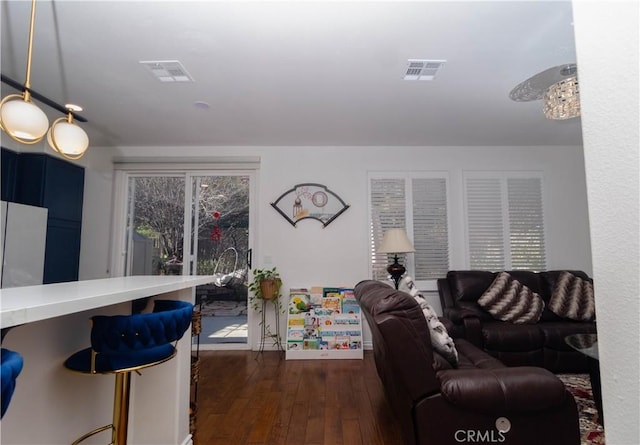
265,287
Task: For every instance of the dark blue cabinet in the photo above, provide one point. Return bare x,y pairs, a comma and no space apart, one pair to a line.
52,183
44,181
62,251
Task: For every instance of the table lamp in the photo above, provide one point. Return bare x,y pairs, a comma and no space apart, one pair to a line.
396,241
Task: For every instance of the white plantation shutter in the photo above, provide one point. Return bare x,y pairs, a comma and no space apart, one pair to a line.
419,205
505,223
430,230
388,210
485,227
526,226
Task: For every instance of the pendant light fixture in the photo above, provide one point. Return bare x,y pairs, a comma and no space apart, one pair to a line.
66,137
26,123
20,118
558,88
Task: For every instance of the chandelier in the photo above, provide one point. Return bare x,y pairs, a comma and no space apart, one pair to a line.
558,89
562,100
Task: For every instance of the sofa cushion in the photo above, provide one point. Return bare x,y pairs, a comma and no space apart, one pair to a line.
554,333
505,337
509,300
572,298
440,339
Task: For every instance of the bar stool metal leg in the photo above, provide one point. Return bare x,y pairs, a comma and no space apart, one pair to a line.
121,408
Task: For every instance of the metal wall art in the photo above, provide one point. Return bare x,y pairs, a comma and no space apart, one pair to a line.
310,201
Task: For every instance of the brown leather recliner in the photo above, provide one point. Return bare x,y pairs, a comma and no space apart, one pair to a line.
478,401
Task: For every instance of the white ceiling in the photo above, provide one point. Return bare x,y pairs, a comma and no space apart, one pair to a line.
295,73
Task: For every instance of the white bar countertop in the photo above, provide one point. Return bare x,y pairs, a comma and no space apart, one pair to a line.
20,305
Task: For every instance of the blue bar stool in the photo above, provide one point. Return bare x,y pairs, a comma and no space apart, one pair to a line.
122,344
11,363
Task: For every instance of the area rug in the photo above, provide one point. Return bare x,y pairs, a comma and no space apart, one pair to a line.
591,431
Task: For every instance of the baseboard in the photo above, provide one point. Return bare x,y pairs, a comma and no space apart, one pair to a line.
187,440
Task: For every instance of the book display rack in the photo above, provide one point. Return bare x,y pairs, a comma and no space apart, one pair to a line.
323,323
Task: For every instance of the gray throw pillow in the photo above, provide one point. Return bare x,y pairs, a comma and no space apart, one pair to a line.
440,339
509,300
573,298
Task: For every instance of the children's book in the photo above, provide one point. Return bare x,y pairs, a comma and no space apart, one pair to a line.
296,320
310,325
316,296
310,343
350,307
332,303
347,293
346,319
299,301
325,321
342,342
295,333
331,292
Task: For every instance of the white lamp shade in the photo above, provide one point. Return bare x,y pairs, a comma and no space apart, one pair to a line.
396,241
24,120
69,138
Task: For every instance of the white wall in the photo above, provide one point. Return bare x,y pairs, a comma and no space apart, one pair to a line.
338,255
607,43
96,213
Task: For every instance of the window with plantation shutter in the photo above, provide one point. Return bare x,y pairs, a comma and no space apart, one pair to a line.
505,222
417,203
526,225
388,210
485,228
430,230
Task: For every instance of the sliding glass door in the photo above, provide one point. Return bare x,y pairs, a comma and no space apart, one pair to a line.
219,246
195,223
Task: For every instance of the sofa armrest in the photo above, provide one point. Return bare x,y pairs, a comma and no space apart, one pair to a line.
466,324
473,331
454,330
502,390
457,315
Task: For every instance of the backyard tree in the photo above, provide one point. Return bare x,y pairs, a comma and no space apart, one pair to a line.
222,219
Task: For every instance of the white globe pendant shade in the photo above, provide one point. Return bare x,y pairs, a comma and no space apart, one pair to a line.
22,120
67,138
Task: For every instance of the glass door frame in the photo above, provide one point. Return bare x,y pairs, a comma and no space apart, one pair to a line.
119,252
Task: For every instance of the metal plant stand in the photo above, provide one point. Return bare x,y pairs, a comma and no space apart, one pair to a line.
265,332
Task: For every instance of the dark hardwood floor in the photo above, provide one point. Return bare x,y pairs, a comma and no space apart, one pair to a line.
246,397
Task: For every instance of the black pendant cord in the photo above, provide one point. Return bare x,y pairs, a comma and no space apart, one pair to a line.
45,100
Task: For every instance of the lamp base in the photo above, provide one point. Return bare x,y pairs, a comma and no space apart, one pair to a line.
396,270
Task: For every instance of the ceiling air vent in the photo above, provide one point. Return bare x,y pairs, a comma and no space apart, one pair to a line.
167,70
421,69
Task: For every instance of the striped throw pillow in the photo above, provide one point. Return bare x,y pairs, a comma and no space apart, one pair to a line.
573,298
509,300
440,339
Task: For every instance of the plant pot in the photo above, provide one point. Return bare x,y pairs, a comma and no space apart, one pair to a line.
270,288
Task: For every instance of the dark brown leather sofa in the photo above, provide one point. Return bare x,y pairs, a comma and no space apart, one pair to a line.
479,401
540,344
